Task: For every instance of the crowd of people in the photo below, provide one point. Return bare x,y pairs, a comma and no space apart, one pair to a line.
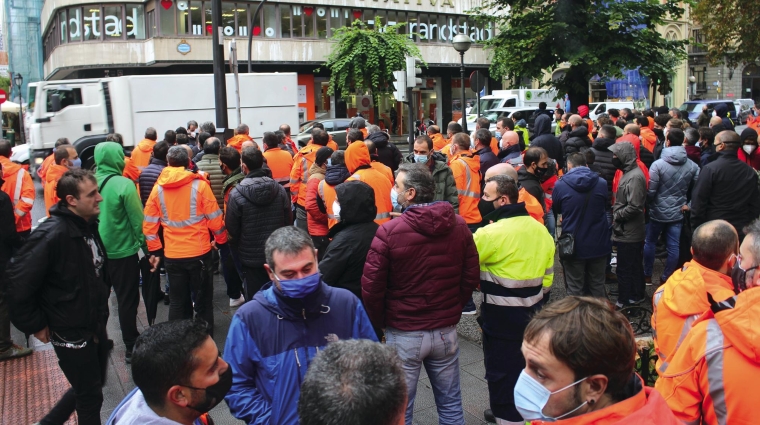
350,269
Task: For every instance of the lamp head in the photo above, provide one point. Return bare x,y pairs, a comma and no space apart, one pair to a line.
462,43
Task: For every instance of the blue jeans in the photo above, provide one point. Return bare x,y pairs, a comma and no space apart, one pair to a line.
672,238
550,221
438,350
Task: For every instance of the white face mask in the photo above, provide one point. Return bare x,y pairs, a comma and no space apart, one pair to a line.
715,114
531,398
749,149
336,210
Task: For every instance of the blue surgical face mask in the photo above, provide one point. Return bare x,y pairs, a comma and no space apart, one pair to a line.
498,135
329,162
299,288
421,159
531,398
76,163
394,198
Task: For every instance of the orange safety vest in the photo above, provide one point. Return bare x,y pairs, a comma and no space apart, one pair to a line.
19,186
494,146
648,138
281,163
466,170
42,170
237,140
679,302
138,160
299,174
329,195
714,376
183,204
534,207
54,173
384,169
358,162
438,142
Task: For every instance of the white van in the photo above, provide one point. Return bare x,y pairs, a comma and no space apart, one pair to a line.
596,108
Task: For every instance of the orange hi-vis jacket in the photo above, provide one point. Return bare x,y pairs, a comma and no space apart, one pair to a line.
680,302
54,173
384,169
299,174
438,142
648,138
647,407
19,186
714,378
466,170
139,159
280,162
534,207
183,204
292,144
447,150
329,195
358,164
753,122
494,146
237,140
42,170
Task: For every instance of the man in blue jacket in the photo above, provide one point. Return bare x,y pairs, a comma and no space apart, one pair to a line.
273,338
585,272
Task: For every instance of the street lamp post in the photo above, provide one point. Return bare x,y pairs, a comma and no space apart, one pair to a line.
19,81
462,43
692,88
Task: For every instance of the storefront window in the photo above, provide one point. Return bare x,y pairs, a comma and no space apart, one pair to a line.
308,20
270,21
91,27
285,20
166,18
322,18
135,22
64,26
241,18
183,18
297,21
228,19
112,23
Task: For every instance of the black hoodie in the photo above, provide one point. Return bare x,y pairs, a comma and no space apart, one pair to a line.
604,160
343,263
545,139
387,152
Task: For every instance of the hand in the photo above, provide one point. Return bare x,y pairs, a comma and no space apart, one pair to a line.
213,245
547,289
685,208
153,260
43,335
395,214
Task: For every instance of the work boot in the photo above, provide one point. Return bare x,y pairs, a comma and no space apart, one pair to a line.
15,351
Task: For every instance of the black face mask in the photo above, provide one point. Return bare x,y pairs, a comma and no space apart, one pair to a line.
540,172
214,393
486,207
617,163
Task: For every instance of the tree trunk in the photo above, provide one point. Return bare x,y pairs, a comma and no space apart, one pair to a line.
577,87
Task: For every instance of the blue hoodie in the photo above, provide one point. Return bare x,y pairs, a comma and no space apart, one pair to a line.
272,341
592,232
134,410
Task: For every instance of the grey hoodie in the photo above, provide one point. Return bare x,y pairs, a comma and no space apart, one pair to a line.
669,181
134,410
630,198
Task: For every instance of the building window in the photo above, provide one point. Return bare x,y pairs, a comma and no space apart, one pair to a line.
113,23
271,29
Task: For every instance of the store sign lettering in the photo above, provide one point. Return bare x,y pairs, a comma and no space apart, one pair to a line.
112,24
448,32
449,3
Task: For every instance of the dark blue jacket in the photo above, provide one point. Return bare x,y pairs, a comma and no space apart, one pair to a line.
272,341
487,160
148,178
592,232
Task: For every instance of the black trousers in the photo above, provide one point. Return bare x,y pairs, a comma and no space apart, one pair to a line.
85,369
255,278
320,243
5,318
630,271
504,361
125,278
194,277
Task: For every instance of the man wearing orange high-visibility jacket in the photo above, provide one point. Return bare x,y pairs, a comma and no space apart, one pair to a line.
715,374
241,136
359,165
19,187
141,155
466,170
684,297
66,157
184,205
50,159
335,174
299,174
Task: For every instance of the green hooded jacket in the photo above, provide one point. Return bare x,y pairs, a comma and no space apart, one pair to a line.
121,212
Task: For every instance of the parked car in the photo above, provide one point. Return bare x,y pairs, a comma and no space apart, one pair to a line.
694,108
596,108
335,126
744,109
494,115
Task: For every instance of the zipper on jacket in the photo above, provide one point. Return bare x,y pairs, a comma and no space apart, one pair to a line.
303,312
298,362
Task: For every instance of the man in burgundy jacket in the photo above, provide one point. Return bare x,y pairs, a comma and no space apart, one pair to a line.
420,272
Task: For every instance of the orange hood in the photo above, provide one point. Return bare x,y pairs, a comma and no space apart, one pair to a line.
741,324
176,177
634,140
237,141
357,155
55,172
680,293
146,145
10,168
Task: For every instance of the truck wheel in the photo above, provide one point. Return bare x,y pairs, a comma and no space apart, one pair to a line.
89,164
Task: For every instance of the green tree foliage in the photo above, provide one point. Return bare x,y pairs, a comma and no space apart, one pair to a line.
595,38
730,30
5,84
364,59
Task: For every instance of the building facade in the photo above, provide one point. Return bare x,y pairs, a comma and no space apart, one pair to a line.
21,33
86,39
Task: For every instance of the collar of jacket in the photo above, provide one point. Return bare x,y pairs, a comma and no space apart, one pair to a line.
158,162
363,167
80,227
238,171
484,150
261,172
310,306
507,211
728,154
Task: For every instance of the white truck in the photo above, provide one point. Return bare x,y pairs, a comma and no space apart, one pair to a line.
86,111
522,98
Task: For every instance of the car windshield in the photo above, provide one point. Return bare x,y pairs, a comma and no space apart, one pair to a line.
306,127
691,107
486,104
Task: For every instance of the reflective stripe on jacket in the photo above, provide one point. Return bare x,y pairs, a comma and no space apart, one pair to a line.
19,186
679,302
184,205
466,169
328,195
714,376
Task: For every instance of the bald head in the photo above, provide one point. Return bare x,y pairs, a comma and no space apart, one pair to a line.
501,169
249,144
713,244
632,129
715,121
189,150
575,121
509,139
